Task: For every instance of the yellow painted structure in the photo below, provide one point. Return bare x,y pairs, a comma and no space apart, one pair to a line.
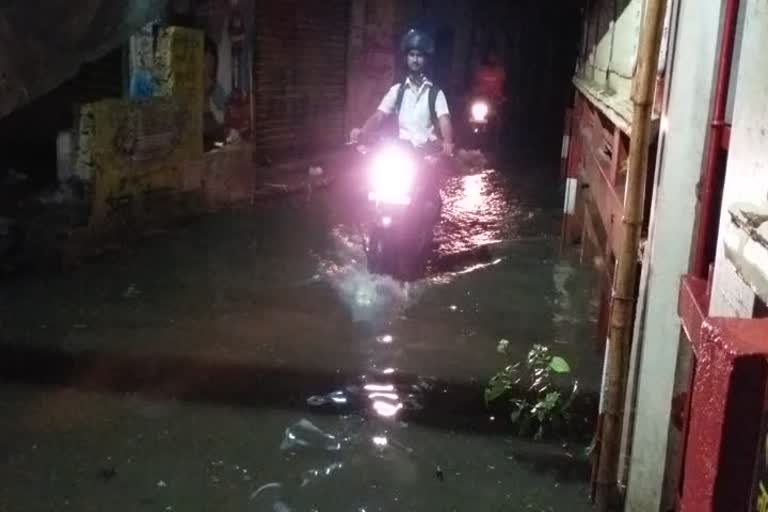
131,148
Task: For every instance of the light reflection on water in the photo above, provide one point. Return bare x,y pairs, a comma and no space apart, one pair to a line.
475,213
471,198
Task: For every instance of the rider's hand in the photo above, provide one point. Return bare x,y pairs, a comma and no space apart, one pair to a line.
354,135
448,148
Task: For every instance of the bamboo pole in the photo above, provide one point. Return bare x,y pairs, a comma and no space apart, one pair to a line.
623,300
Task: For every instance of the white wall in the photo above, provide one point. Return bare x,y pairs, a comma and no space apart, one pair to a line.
616,50
681,154
747,171
735,64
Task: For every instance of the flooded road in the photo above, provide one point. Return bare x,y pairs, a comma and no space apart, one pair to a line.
250,362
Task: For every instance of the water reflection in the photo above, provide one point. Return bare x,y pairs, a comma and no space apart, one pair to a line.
386,409
475,212
471,198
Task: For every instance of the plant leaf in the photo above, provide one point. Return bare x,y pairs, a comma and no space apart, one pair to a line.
496,388
559,365
538,385
552,400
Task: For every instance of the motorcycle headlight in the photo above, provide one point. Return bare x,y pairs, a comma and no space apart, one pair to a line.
480,111
392,175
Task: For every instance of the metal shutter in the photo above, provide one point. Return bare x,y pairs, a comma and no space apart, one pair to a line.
300,75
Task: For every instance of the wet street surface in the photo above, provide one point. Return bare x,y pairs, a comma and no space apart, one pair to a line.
248,361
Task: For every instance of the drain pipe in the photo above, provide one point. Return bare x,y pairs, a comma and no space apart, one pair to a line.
623,300
711,172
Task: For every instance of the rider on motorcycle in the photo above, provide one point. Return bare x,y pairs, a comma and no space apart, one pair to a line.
421,108
490,79
487,94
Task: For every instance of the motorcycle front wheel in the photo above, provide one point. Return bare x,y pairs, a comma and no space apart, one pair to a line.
387,257
378,253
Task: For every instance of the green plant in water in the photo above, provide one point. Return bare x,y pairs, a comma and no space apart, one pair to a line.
534,390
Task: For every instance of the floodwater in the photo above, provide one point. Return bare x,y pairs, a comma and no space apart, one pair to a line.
249,362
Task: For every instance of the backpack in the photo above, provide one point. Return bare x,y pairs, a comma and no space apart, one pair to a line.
433,92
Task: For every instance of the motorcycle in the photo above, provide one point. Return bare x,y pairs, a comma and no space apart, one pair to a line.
404,206
483,125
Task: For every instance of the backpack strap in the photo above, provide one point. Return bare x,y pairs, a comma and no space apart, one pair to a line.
399,98
433,92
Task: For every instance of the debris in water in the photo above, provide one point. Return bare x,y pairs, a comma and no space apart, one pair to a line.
316,401
278,505
162,483
335,398
306,434
265,487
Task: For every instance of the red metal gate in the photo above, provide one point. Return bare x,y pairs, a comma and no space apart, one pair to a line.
726,407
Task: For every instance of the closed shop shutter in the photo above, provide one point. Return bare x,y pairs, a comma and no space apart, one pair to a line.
300,75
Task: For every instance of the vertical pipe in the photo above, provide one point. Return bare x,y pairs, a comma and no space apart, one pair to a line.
710,175
623,299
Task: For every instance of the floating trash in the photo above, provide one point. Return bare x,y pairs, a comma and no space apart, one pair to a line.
306,435
337,398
